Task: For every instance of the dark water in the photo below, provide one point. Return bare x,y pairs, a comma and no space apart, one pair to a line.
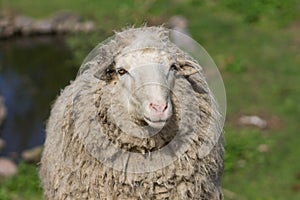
32,72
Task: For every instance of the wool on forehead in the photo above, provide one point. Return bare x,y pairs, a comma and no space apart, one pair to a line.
144,38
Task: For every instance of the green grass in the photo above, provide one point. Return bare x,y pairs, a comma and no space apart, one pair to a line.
257,51
25,185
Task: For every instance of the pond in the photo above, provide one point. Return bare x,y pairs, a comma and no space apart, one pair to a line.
32,73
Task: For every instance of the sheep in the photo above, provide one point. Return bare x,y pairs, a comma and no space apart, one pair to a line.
138,122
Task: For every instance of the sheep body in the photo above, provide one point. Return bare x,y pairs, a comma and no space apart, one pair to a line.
73,165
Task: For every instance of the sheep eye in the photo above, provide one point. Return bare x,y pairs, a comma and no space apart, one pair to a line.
174,67
121,71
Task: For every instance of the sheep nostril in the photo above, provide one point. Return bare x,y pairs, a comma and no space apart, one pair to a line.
158,107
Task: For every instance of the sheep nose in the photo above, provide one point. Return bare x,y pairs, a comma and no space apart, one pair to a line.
158,107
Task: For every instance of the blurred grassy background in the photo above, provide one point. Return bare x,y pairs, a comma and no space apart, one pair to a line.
255,44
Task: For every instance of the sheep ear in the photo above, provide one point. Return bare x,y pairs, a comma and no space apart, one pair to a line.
107,74
187,68
191,71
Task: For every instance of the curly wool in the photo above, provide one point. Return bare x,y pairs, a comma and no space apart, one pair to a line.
71,166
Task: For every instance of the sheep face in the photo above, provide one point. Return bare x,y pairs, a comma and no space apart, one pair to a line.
146,77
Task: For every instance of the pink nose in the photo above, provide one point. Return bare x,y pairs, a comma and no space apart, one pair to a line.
158,107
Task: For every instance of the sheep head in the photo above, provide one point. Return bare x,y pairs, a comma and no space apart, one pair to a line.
144,79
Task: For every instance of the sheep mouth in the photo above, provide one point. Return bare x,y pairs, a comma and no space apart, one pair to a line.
155,123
